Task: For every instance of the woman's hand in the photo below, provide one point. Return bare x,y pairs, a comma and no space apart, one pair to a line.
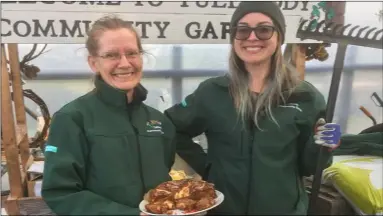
327,134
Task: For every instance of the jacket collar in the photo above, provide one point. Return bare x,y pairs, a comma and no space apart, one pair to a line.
117,97
223,81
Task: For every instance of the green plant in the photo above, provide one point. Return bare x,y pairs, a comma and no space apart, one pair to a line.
316,13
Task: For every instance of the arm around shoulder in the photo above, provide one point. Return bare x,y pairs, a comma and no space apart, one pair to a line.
65,170
189,119
170,132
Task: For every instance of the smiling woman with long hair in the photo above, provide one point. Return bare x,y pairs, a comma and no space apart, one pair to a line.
263,125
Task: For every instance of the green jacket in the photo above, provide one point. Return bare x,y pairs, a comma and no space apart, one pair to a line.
361,144
259,172
103,154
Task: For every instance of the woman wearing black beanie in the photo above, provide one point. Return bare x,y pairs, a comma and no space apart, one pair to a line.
264,126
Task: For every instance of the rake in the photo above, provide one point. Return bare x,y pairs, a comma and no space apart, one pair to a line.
330,32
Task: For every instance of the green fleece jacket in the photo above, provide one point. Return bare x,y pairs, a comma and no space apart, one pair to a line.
259,172
103,154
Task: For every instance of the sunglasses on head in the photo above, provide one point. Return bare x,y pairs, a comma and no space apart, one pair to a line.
263,32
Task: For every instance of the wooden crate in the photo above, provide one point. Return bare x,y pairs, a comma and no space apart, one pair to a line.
27,206
330,201
15,143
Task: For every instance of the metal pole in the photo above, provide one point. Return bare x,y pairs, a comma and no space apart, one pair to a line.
177,81
31,113
331,102
342,109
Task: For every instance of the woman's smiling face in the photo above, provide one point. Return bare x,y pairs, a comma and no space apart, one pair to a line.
119,59
256,39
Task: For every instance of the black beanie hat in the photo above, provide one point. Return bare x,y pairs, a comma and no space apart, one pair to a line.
270,9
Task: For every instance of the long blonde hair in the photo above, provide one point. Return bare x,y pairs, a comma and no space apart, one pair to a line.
279,79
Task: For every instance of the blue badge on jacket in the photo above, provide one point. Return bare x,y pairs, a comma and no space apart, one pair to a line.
50,148
183,103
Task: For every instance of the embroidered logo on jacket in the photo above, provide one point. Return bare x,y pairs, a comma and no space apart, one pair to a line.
153,126
292,105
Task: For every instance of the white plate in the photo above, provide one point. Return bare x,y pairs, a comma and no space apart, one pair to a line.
218,201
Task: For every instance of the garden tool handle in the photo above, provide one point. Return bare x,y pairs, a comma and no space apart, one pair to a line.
368,114
378,101
329,114
365,111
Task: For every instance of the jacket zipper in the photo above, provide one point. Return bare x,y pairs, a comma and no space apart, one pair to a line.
139,152
250,148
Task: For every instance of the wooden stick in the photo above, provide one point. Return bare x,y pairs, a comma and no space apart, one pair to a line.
288,52
12,206
8,132
299,59
18,99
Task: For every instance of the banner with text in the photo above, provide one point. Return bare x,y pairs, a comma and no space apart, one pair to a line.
182,22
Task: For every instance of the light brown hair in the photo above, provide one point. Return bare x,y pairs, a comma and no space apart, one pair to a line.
110,22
